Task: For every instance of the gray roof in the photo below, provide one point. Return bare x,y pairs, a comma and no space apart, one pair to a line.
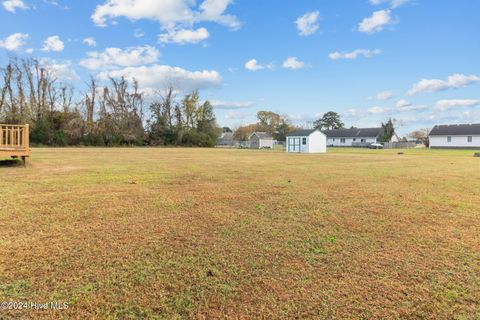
456,129
301,133
354,133
226,136
262,135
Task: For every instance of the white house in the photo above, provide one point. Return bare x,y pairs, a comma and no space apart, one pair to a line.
261,140
353,137
307,141
455,136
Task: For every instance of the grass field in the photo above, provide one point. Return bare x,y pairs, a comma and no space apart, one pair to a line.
210,233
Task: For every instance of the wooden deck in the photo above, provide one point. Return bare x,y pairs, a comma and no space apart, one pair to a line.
14,141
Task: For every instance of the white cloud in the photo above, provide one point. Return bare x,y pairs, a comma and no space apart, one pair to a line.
302,117
213,10
403,103
352,114
376,22
293,63
429,119
14,42
253,65
393,3
61,70
13,5
308,23
116,57
160,76
90,42
167,12
229,105
433,85
64,71
183,36
138,33
456,103
384,95
53,43
235,115
404,106
354,54
469,115
378,110
56,4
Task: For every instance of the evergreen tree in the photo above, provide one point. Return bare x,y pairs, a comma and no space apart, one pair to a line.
388,131
329,121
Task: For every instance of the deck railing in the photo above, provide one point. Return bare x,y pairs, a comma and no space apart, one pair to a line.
14,136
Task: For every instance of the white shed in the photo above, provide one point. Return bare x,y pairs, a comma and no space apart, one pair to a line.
261,140
307,141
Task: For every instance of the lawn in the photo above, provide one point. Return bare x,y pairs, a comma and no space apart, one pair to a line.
241,234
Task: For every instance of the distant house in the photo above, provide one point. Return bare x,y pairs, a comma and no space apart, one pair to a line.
395,138
226,139
306,141
455,136
261,140
353,137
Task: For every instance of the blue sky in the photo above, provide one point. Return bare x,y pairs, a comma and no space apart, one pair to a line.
413,60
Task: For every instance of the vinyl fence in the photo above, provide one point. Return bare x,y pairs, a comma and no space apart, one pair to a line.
399,145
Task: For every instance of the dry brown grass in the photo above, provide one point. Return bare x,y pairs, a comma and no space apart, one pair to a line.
239,234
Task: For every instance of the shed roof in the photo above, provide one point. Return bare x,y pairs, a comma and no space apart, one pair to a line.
262,135
353,133
455,129
301,133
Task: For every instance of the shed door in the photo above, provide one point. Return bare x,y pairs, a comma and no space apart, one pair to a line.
294,144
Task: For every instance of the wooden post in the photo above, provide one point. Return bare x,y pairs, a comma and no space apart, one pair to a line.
26,142
27,137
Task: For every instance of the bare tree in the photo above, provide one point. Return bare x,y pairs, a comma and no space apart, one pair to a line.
90,103
420,135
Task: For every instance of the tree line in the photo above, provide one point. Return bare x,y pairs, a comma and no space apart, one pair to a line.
267,121
114,113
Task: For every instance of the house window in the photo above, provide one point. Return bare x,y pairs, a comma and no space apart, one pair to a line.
469,139
354,139
304,141
449,139
342,140
363,140
333,139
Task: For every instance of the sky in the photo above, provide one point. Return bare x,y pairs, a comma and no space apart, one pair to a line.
417,61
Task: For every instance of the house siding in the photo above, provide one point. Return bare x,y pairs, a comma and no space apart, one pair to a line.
458,141
336,142
265,143
317,142
254,142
